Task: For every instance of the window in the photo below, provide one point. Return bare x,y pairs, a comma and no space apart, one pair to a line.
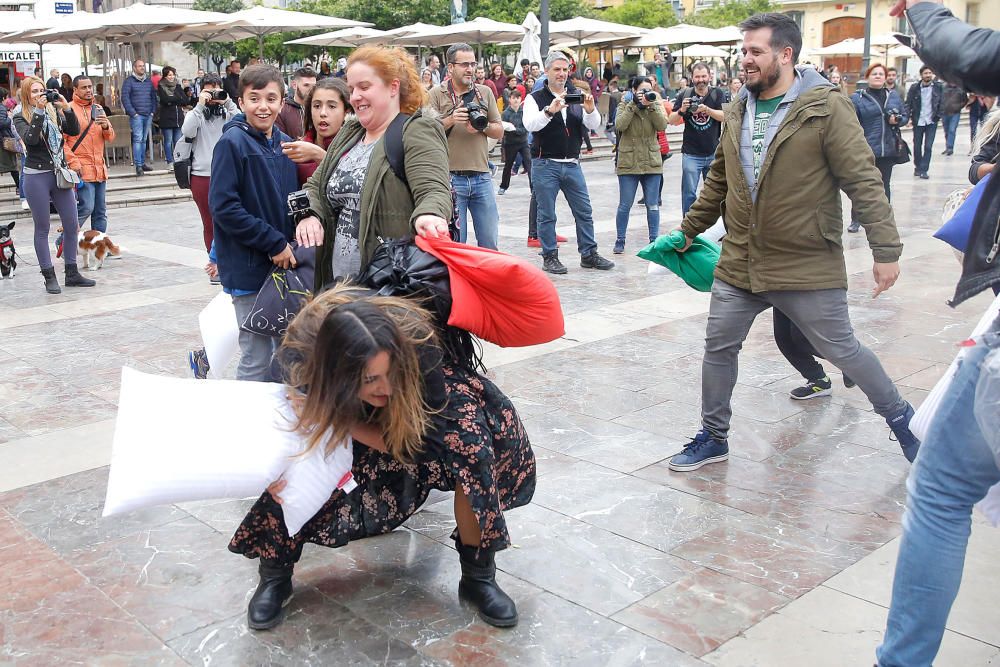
972,13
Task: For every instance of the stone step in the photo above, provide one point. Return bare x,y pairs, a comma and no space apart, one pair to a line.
160,196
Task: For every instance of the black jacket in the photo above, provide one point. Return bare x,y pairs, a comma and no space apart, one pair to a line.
231,84
988,153
915,101
956,51
969,57
172,106
33,136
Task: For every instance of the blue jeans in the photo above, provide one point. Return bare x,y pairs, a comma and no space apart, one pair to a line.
140,128
627,185
954,470
256,350
923,144
693,167
474,194
91,203
171,135
950,124
548,178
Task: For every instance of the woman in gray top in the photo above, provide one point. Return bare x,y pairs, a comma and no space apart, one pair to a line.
203,126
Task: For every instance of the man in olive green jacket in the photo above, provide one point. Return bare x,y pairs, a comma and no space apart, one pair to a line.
790,143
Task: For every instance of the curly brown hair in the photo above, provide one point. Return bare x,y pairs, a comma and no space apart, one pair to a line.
394,64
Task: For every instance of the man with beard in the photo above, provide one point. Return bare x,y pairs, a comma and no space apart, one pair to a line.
924,100
700,109
468,147
292,118
790,143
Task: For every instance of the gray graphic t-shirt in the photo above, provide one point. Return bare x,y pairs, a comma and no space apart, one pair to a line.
344,193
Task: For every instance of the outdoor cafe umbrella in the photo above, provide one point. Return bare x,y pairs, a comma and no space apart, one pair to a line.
262,21
856,47
348,38
401,36
701,51
531,45
593,31
23,26
479,31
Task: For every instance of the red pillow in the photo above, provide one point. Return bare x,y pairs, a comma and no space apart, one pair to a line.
499,298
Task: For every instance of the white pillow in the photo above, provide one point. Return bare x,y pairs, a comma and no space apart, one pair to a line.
178,440
219,332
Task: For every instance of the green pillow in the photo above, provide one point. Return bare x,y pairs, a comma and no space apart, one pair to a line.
696,266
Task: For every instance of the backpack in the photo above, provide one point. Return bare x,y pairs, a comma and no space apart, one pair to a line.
395,154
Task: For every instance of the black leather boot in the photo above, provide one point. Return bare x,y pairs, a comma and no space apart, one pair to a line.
479,587
51,284
266,607
74,279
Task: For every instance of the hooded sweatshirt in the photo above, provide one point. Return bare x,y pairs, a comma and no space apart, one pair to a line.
250,183
206,130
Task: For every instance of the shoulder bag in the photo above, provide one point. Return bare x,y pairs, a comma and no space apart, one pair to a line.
66,178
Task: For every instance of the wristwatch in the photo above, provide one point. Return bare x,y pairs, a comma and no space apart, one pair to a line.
547,112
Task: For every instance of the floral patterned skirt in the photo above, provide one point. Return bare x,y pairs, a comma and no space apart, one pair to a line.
479,443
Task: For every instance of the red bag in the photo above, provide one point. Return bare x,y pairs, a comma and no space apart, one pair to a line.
501,299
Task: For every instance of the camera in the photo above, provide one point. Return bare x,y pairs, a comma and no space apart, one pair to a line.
52,96
573,98
477,115
218,95
889,113
696,101
298,204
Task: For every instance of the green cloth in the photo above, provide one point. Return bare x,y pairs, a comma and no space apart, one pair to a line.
761,119
696,266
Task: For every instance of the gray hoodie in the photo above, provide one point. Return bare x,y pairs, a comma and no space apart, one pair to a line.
206,133
805,78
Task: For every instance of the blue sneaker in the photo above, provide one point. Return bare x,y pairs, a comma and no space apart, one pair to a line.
899,423
198,360
704,449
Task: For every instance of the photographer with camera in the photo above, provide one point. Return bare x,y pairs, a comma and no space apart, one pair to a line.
637,160
700,109
470,117
881,113
41,120
86,151
203,127
558,115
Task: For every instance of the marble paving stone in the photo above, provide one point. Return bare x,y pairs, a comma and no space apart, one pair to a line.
635,348
604,443
316,631
174,578
547,461
643,511
590,398
847,464
779,558
858,426
810,503
827,628
590,367
9,432
973,614
556,552
66,512
553,631
222,515
674,421
50,614
701,611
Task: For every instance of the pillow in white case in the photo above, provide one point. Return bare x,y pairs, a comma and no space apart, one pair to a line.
178,440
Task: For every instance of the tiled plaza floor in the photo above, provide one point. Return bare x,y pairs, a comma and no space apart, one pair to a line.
782,556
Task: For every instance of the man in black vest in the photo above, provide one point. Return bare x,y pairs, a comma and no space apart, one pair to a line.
558,128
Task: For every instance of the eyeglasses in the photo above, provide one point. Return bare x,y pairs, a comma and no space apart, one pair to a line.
465,65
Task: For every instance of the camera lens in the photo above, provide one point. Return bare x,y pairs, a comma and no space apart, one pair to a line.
650,96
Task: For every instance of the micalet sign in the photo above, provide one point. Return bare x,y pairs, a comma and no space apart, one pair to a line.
10,56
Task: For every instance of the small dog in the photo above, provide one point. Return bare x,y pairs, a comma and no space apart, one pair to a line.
8,256
95,247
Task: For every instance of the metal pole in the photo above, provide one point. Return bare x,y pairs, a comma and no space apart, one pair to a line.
866,59
544,20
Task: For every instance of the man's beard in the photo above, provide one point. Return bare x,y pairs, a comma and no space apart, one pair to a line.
767,79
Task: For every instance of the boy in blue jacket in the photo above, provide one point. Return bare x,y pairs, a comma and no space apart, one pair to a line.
248,194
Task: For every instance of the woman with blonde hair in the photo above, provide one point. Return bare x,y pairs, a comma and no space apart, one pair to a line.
41,125
372,368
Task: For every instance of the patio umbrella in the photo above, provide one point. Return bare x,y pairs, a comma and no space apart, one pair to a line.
348,38
531,44
23,26
701,51
582,29
728,35
401,36
683,33
479,31
263,21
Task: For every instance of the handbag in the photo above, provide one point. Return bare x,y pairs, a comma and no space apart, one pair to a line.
12,145
66,178
957,227
183,162
400,268
902,149
282,296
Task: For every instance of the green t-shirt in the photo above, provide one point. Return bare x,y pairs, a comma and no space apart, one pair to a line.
761,119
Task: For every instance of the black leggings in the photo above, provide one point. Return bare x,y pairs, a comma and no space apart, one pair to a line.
796,348
884,165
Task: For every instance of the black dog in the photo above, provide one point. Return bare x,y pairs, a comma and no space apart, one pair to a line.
8,258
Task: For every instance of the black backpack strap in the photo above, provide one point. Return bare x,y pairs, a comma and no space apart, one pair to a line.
394,146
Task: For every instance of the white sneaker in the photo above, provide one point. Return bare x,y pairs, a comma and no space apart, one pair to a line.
24,205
